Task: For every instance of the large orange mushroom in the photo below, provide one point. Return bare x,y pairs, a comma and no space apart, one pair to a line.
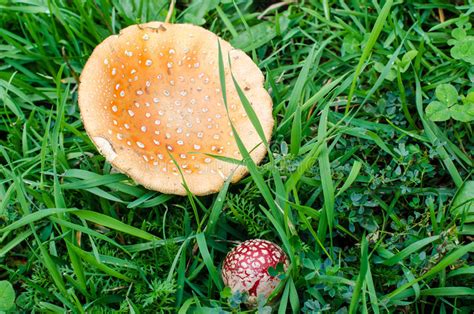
151,101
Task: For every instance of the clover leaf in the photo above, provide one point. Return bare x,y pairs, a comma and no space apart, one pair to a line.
458,112
350,45
406,60
447,93
468,102
401,65
7,296
463,44
447,106
437,111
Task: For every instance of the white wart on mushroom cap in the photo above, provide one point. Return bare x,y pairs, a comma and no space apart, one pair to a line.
154,91
245,268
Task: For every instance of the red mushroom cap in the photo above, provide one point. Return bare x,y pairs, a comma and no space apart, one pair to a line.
245,268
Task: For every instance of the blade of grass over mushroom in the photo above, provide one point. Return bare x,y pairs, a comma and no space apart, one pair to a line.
112,223
249,110
258,127
247,159
374,34
229,160
256,175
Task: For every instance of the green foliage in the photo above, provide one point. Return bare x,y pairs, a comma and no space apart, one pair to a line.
374,206
242,210
258,35
401,66
161,298
463,207
447,105
7,296
463,44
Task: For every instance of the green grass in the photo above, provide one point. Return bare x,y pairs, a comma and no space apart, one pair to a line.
372,201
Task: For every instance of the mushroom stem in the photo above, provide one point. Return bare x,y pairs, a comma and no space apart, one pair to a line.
170,11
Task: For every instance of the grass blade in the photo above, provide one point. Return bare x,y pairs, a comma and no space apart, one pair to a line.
208,260
364,265
418,245
374,34
113,223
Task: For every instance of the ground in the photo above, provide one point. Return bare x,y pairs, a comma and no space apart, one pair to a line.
368,185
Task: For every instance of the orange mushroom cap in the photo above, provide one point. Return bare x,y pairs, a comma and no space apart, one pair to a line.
151,101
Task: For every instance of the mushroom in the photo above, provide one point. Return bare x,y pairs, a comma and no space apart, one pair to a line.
151,101
245,268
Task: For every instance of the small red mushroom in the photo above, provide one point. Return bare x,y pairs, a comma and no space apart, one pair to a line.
245,268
